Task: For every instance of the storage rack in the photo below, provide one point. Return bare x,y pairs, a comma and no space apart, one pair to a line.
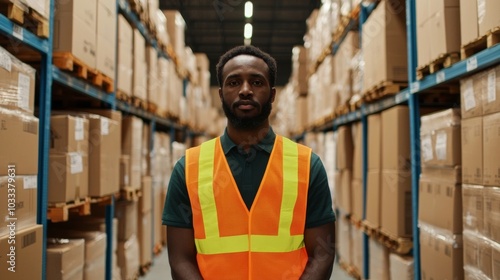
49,75
480,61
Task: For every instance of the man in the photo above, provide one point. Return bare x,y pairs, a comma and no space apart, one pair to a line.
249,204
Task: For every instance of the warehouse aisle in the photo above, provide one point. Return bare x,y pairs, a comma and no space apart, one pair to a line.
161,270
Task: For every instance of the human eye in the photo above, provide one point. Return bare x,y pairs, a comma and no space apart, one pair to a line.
257,83
232,83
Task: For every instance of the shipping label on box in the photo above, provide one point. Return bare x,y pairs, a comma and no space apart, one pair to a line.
472,207
472,151
491,91
69,134
471,99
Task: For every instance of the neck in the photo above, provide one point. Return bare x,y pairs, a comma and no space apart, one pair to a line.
247,137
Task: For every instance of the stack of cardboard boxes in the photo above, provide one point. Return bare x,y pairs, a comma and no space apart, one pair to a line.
20,236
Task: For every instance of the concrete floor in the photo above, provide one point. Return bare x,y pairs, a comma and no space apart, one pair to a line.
160,270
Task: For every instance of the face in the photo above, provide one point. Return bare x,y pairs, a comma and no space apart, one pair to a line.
246,93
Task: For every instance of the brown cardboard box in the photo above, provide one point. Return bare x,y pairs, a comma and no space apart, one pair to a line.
441,254
357,200
159,201
443,196
496,261
357,248
472,151
127,257
401,267
471,249
384,45
27,262
202,62
379,261
107,113
487,17
145,229
444,29
342,72
423,33
153,82
69,134
373,197
65,259
23,212
357,162
19,133
440,139
396,138
104,155
68,177
40,6
146,150
75,24
131,146
491,150
491,91
345,199
472,207
344,148
145,201
176,31
492,218
396,210
106,37
125,56
139,84
17,83
126,213
374,142
485,251
345,250
124,171
469,25
471,95
301,112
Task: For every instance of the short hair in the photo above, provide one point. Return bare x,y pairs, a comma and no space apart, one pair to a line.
248,50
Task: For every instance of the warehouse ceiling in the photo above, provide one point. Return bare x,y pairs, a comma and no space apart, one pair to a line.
214,26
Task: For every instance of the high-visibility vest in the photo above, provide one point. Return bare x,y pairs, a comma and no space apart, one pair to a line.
265,242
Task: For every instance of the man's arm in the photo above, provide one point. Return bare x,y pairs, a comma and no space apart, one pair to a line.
182,253
320,246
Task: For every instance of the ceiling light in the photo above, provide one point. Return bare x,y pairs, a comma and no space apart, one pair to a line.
248,9
248,31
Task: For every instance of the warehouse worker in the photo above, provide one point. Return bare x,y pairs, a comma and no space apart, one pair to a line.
249,204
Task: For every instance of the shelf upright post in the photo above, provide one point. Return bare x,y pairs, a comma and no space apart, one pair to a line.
152,152
44,137
110,214
414,127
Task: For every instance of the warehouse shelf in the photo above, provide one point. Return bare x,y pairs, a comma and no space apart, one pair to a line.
13,30
126,10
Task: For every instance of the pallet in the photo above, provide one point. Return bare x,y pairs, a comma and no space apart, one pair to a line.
383,89
130,194
59,212
485,41
399,245
158,249
137,8
120,95
25,16
443,61
351,270
103,200
144,269
369,229
152,107
139,103
68,62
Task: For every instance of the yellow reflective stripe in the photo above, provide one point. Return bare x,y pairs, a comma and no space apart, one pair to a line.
290,186
266,243
205,189
219,245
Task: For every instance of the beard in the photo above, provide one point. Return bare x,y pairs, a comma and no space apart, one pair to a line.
247,123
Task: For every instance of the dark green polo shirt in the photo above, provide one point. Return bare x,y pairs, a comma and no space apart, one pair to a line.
248,170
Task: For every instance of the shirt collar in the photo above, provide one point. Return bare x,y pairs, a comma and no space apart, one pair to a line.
265,144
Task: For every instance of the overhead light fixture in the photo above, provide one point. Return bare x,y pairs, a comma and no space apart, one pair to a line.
248,31
248,9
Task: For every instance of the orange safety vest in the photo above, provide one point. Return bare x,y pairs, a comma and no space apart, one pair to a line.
234,243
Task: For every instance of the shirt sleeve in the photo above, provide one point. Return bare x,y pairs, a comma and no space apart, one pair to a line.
319,198
177,209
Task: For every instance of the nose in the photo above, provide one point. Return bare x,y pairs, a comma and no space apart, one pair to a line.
245,89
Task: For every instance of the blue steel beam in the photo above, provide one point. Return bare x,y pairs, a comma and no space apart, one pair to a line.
18,35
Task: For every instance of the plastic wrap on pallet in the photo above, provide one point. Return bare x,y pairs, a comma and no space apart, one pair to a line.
17,83
472,207
479,253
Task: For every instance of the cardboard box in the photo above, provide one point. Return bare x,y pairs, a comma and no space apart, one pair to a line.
158,205
444,29
357,248
153,82
124,171
341,69
23,212
68,177
471,99
441,139
345,192
423,33
374,142
344,243
443,196
396,210
17,83
145,201
345,148
19,133
107,113
202,62
139,84
469,25
106,37
176,31
65,259
379,261
146,150
472,207
125,56
144,233
487,17
492,218
491,91
384,45
132,146
373,198
401,267
471,249
357,162
27,263
396,139
491,150
496,261
357,200
485,251
40,6
75,24
441,254
69,134
126,212
127,257
472,151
